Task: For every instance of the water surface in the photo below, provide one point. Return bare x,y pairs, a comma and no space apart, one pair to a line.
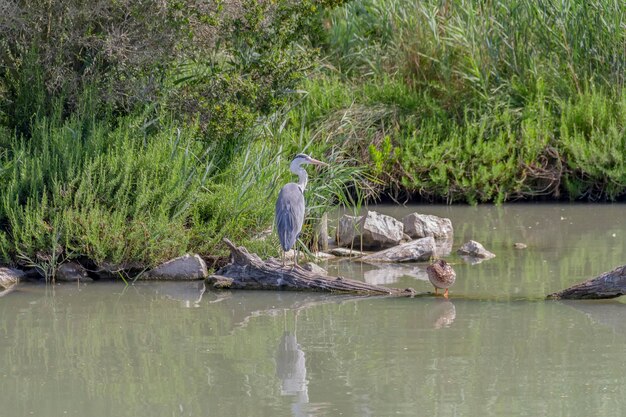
495,349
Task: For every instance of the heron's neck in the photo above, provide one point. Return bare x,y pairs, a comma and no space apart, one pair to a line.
303,177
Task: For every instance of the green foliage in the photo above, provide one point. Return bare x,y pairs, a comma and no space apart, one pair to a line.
133,133
482,101
55,49
468,52
593,137
261,52
221,65
84,188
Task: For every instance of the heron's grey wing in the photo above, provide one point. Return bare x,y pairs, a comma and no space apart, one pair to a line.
289,215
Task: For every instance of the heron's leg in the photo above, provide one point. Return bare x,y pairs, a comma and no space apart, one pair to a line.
295,261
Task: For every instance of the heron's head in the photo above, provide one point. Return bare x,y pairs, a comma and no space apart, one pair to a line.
302,158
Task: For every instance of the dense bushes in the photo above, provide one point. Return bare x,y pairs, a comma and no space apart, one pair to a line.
131,132
482,101
224,64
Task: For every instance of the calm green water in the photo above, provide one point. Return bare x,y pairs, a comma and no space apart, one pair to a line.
495,349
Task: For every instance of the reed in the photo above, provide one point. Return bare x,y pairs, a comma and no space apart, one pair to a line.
86,188
481,101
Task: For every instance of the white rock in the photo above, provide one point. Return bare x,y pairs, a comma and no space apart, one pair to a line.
423,225
476,250
186,267
373,231
350,253
416,250
9,277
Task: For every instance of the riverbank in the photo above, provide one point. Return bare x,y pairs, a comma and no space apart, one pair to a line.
139,161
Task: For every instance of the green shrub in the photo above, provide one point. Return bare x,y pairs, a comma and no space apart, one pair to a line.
482,101
85,188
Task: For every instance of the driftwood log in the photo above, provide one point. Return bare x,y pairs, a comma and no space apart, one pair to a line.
248,271
611,284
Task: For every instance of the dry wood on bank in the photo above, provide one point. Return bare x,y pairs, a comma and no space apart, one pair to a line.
248,271
610,284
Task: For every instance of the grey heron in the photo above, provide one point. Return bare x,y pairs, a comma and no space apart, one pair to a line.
290,204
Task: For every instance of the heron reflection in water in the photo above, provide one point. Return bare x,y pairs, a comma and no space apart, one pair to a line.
290,205
291,370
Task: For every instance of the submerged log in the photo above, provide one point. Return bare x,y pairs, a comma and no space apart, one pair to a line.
610,284
248,271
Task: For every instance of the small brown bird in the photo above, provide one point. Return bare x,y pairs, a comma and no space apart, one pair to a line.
441,275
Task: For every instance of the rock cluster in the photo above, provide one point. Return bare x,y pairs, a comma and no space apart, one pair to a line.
186,267
424,225
417,237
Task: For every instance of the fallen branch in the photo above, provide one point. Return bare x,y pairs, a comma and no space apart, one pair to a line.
248,271
611,284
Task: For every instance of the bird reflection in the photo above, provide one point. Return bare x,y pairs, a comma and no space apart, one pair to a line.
291,370
291,367
441,314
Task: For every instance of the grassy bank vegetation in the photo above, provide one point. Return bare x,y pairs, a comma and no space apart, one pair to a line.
130,134
480,101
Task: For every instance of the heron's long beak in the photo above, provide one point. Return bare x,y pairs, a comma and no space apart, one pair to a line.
316,162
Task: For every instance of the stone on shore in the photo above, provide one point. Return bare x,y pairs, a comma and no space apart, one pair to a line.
9,277
372,231
423,225
414,251
184,268
71,272
475,250
347,252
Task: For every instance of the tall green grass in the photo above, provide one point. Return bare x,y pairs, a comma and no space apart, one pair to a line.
85,188
483,48
136,193
480,101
